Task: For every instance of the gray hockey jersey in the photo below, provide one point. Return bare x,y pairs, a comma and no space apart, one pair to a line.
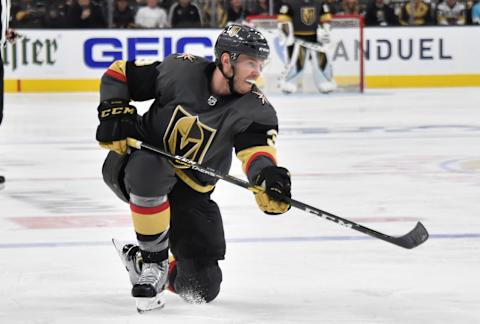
187,119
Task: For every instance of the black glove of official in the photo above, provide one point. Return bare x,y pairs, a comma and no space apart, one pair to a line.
277,184
117,122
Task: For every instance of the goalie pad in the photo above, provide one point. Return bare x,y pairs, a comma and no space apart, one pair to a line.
323,73
290,75
322,68
286,32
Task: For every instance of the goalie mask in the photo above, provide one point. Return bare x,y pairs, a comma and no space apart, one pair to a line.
238,39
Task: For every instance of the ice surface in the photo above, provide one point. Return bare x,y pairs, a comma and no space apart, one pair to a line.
385,159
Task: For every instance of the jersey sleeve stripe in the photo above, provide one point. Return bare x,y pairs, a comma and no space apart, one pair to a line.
326,18
116,75
118,70
247,156
256,155
284,18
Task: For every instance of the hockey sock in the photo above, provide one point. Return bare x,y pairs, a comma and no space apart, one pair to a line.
151,226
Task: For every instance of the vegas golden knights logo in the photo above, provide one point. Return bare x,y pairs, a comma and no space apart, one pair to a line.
307,15
187,136
233,30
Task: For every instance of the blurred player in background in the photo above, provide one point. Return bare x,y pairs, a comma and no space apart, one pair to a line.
451,12
305,25
27,14
418,14
6,34
202,111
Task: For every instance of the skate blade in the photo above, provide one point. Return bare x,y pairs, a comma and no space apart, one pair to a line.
149,304
118,246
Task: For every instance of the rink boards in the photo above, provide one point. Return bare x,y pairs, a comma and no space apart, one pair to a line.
74,60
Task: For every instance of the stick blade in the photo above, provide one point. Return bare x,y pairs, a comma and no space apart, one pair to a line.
412,239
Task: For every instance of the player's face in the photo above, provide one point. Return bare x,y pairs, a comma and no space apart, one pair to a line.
247,71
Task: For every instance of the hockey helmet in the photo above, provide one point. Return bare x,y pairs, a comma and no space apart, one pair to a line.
239,39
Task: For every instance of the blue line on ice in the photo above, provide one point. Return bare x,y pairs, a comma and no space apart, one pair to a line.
233,240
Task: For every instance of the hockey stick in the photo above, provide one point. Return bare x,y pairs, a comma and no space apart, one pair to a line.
312,46
412,239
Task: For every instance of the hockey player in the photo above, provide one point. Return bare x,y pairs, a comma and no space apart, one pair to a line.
305,25
202,110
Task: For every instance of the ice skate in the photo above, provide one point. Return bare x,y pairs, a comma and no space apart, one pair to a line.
327,87
288,87
148,279
2,182
149,290
131,258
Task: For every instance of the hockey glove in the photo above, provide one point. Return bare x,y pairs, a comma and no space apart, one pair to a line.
117,122
276,181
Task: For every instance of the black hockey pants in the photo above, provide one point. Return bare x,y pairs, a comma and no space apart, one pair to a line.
196,233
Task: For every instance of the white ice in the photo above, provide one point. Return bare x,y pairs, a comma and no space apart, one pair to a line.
385,159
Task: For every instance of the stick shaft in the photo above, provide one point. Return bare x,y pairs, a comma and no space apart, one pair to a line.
410,240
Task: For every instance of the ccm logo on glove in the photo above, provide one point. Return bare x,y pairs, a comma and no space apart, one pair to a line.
117,111
117,122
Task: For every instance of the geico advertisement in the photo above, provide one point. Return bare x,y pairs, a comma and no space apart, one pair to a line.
54,54
86,54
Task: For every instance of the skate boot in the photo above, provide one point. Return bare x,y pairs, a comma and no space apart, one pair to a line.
149,290
148,279
288,87
131,258
2,182
327,86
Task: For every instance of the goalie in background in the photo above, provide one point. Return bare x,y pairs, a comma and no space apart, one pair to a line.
305,26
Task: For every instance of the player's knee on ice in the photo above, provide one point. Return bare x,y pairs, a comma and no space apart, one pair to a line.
197,281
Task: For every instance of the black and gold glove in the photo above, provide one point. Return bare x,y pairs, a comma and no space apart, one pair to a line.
117,122
277,184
